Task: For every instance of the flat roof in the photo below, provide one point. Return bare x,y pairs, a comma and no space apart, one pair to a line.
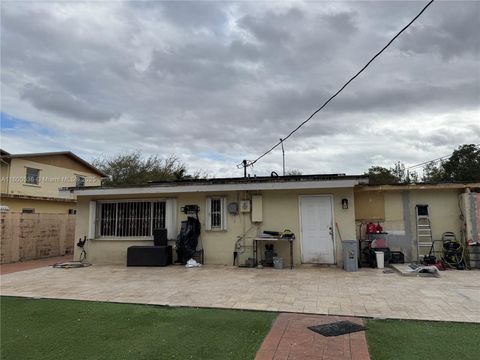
419,186
227,184
260,179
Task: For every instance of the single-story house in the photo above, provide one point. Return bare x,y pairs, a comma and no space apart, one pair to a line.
318,209
321,210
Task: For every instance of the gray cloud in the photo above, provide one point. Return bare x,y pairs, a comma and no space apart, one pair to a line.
218,82
193,14
343,22
453,34
64,104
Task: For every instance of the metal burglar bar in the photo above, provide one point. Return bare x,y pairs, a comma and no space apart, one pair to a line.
216,213
159,215
131,218
107,220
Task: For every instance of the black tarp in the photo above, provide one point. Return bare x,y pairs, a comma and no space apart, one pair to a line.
187,240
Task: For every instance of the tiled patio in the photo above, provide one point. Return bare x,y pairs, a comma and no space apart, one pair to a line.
455,296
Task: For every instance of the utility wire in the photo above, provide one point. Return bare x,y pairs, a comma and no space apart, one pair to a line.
343,87
434,160
428,162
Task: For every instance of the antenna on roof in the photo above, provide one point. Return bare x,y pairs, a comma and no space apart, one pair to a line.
243,164
283,155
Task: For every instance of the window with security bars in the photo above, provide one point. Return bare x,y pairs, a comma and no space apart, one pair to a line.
216,218
216,213
130,218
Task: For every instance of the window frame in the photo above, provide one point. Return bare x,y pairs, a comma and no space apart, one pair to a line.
77,178
96,218
27,177
209,214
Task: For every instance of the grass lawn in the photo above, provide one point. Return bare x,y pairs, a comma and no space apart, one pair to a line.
406,339
63,329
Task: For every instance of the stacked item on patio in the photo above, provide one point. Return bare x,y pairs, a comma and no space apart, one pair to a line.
160,254
376,249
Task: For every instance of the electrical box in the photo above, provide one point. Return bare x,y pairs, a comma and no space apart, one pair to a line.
233,208
257,208
245,206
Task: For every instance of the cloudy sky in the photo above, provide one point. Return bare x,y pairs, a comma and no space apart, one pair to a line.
218,82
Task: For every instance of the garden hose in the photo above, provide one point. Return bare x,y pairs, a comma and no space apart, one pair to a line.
454,255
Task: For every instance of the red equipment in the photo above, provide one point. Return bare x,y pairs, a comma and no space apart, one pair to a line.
379,228
371,228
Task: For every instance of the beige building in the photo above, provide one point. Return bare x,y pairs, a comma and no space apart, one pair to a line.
30,182
318,209
451,207
321,210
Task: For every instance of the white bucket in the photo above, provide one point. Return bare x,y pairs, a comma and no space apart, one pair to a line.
278,262
380,259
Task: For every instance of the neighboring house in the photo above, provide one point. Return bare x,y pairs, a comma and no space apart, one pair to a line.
30,182
314,207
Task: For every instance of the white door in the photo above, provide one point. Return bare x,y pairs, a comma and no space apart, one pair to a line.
317,231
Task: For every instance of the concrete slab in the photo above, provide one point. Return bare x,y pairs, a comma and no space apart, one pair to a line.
406,270
403,269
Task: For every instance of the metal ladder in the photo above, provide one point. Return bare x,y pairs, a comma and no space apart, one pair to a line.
424,231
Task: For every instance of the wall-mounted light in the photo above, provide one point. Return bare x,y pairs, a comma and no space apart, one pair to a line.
345,204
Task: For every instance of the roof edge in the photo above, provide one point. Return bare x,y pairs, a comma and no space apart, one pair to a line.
230,181
417,186
40,198
67,153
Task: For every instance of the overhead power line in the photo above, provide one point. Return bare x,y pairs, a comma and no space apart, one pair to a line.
431,161
428,162
250,163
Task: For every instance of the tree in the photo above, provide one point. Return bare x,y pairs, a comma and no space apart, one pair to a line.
433,173
133,169
380,175
398,171
463,165
394,175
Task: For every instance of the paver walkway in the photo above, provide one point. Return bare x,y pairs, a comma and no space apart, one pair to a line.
455,296
290,338
33,264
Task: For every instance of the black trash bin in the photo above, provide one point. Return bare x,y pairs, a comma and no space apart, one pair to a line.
160,237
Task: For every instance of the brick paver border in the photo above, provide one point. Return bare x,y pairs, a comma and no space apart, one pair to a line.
32,264
290,338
